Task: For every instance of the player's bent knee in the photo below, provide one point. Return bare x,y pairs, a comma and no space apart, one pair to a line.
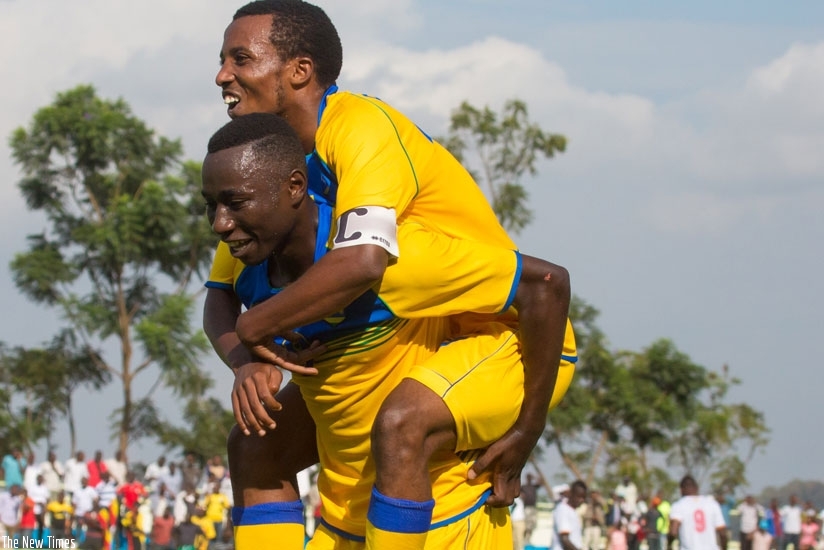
412,421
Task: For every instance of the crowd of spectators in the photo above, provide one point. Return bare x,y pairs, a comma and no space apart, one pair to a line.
102,504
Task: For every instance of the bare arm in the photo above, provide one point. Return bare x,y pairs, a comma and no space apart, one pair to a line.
256,382
722,537
328,286
565,542
542,301
673,532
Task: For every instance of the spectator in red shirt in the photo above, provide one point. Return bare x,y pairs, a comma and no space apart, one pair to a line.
96,467
131,491
162,526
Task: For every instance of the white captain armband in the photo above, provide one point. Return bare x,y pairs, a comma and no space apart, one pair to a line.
368,225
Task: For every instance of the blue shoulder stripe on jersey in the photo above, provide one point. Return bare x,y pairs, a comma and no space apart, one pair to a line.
324,230
569,358
268,512
515,283
221,286
322,181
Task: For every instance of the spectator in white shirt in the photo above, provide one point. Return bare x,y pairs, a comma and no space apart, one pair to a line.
791,518
84,499
52,472
696,520
566,521
750,512
75,470
39,493
155,473
117,467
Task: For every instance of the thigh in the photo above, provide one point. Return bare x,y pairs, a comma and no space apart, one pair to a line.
480,378
265,468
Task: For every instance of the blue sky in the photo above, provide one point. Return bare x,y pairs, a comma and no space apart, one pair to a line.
688,205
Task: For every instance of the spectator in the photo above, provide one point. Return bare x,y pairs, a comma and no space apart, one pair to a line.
162,526
53,472
774,527
84,499
10,508
791,520
617,537
629,493
117,467
594,521
59,510
75,470
567,523
516,515
27,517
185,533
39,494
156,472
191,470
809,530
173,480
529,496
649,524
762,539
750,512
13,467
696,520
96,467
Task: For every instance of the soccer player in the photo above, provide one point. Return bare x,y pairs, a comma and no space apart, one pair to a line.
696,520
255,189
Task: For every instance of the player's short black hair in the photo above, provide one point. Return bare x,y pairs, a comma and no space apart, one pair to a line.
270,137
300,28
688,482
578,484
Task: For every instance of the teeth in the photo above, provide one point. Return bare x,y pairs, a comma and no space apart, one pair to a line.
236,244
230,100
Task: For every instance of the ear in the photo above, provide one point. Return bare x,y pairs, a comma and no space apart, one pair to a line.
301,70
298,185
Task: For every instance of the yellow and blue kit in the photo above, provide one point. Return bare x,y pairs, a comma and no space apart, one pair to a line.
454,258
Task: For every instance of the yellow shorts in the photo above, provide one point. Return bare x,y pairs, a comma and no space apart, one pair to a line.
486,528
481,378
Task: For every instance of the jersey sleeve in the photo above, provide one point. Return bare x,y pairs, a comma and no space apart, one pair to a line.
717,515
225,269
436,275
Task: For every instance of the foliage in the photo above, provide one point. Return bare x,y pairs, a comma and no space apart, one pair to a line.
633,413
44,379
505,147
124,237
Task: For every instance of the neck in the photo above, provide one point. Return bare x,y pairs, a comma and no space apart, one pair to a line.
302,115
286,265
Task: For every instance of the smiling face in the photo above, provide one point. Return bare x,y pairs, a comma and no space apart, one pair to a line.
251,73
248,203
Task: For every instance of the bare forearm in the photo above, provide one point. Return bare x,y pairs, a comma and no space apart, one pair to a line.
327,287
542,301
722,539
220,313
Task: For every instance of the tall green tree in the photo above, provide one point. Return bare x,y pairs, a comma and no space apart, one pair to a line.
498,150
125,234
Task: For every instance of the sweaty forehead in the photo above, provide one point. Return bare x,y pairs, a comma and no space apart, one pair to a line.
248,31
